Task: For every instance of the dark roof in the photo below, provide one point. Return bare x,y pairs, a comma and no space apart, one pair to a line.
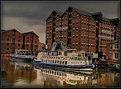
90,14
115,21
106,19
97,13
57,12
26,33
10,30
100,16
81,11
3,30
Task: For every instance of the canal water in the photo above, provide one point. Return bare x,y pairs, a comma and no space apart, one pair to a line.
25,75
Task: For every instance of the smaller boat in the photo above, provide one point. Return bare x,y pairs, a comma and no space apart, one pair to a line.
23,55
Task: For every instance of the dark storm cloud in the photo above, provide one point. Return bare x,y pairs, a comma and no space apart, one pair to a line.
33,21
41,10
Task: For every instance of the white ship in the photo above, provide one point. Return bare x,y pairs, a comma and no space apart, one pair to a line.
63,59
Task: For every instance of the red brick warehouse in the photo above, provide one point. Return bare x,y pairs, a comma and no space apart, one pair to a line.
14,40
79,29
31,41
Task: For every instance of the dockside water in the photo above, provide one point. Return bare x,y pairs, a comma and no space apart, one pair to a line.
25,75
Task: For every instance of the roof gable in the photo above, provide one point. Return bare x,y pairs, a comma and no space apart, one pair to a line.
96,16
79,11
54,12
11,30
29,33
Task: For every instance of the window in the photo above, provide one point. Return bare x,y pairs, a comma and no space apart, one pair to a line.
65,62
69,41
65,53
58,61
55,61
116,46
116,55
60,53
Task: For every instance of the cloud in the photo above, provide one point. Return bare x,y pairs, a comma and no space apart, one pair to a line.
31,15
42,9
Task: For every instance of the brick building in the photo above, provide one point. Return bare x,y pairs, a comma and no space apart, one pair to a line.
116,28
12,40
53,23
105,33
113,51
30,41
79,29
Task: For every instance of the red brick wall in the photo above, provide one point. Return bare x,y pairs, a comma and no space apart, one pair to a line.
11,41
31,42
87,34
57,30
75,30
65,30
117,33
107,27
49,23
18,40
83,33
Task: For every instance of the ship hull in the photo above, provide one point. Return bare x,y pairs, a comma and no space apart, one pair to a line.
13,58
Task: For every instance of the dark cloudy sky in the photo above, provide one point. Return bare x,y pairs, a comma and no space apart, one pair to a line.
31,15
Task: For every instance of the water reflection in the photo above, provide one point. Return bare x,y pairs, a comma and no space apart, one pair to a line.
64,78
19,74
